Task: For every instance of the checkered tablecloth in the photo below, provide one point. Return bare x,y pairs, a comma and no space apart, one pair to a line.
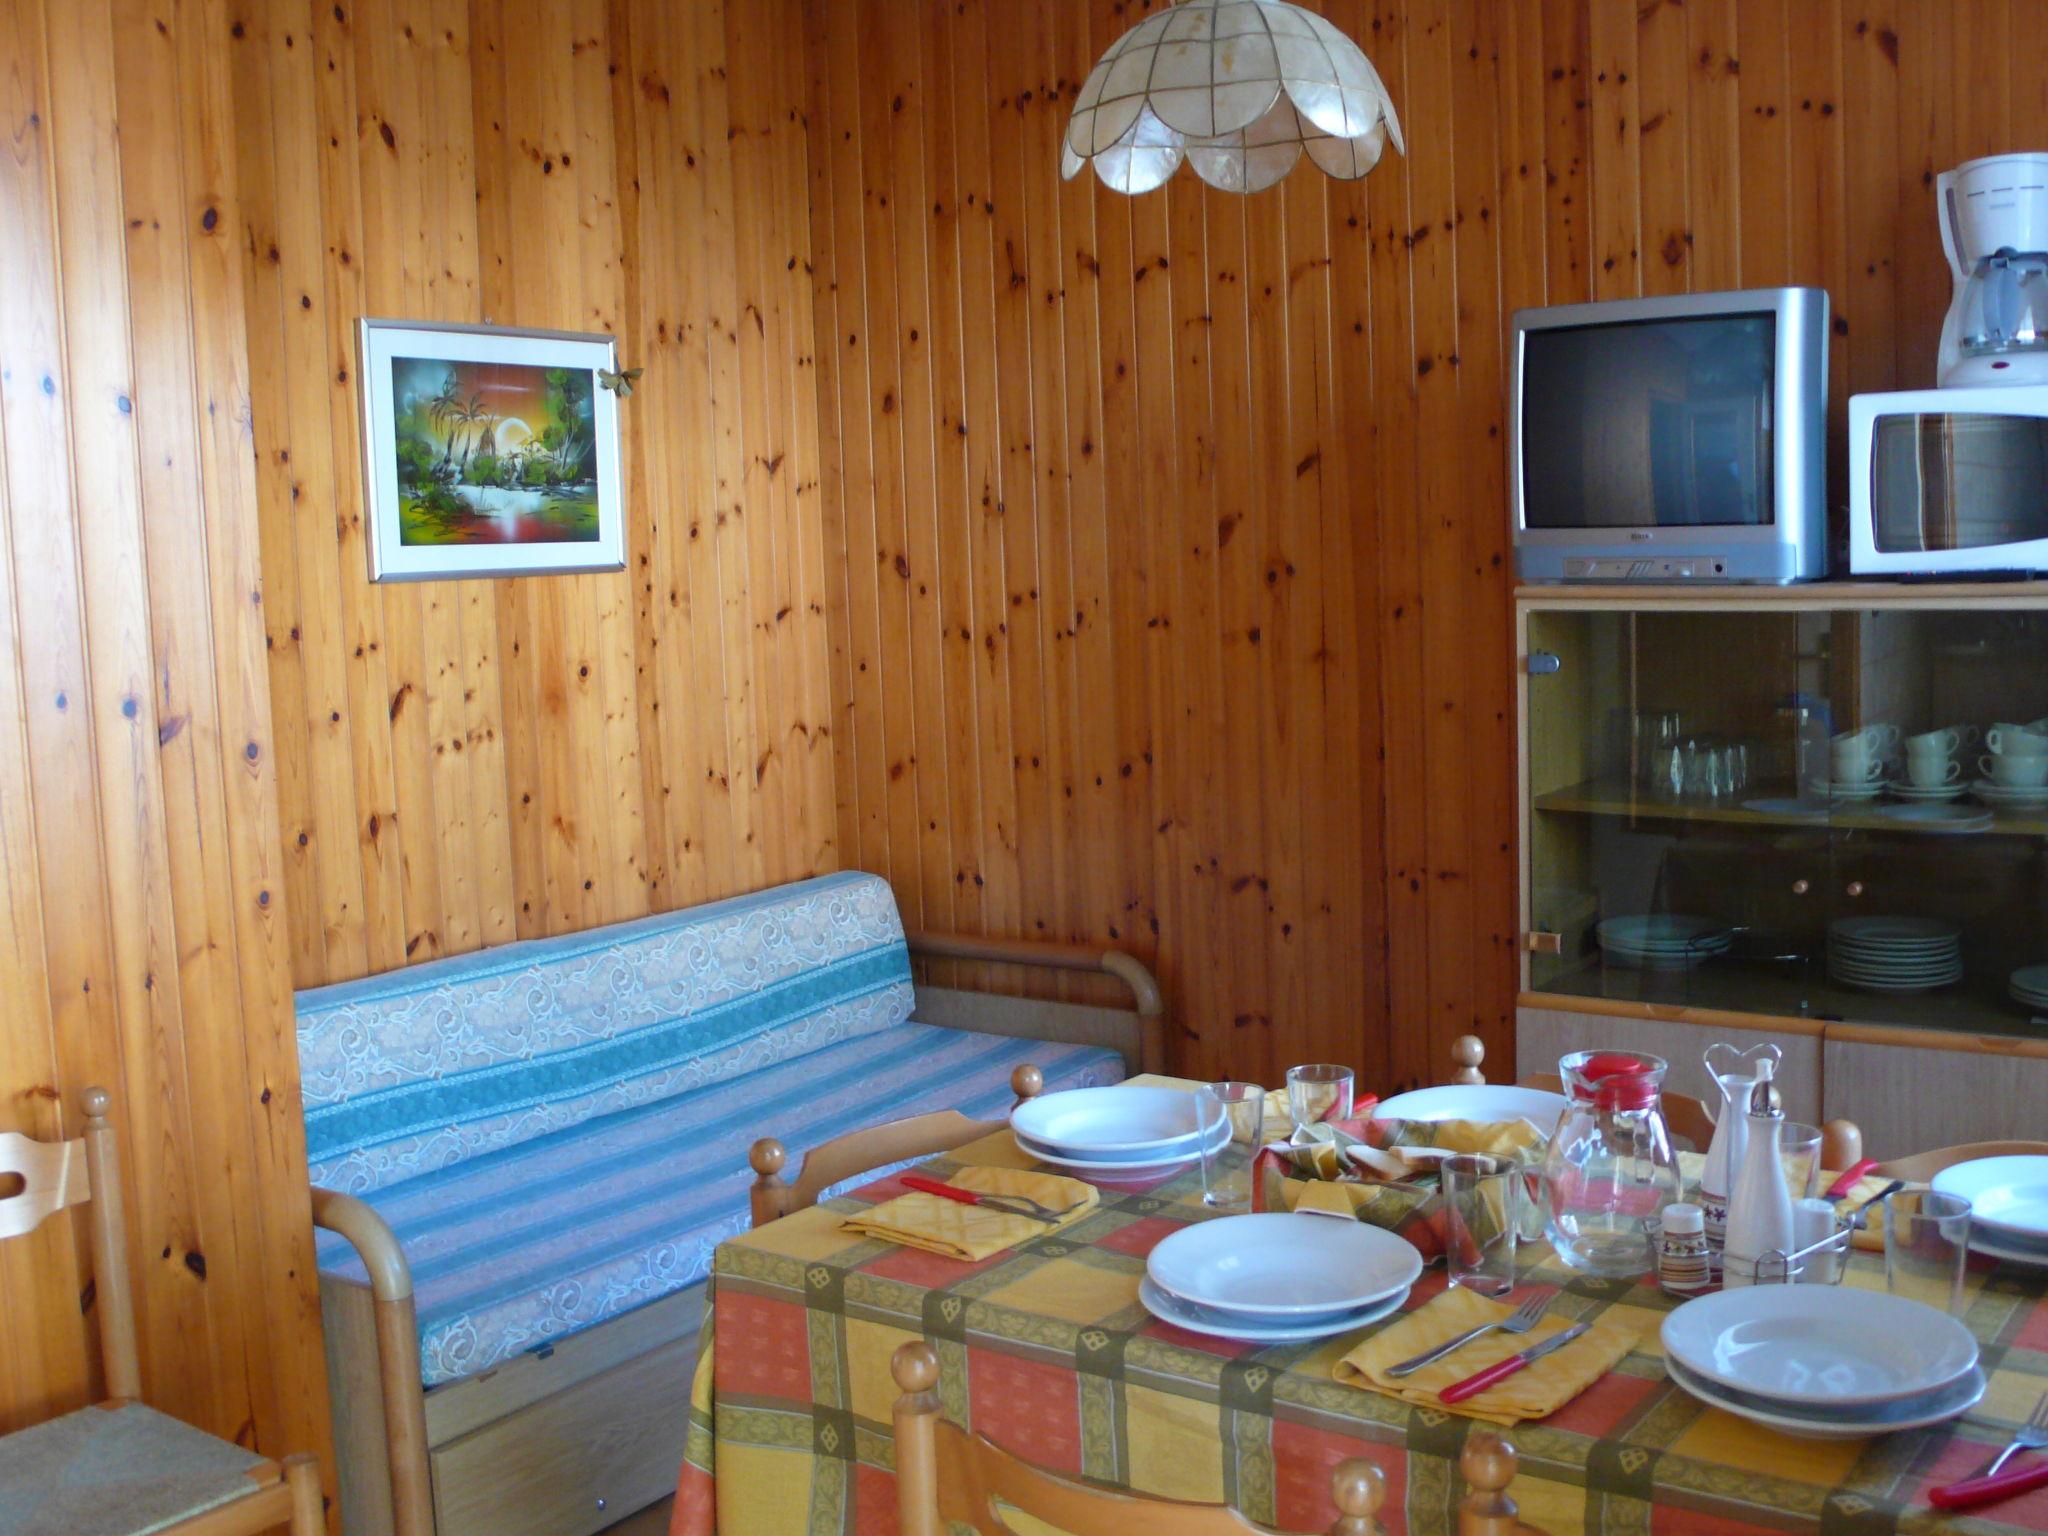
1046,1350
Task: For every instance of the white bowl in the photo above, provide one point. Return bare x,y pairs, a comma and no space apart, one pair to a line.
1810,1345
2006,1194
1283,1265
1086,1122
1110,1158
1490,1102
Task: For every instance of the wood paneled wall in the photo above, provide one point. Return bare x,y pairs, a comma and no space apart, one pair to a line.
1170,578
465,763
140,869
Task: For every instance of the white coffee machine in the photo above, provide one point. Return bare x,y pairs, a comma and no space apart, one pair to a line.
1994,227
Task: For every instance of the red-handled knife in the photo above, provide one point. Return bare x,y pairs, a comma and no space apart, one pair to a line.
1849,1178
1479,1381
1972,1491
995,1202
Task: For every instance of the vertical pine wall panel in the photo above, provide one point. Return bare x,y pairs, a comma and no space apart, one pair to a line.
147,946
466,763
1171,594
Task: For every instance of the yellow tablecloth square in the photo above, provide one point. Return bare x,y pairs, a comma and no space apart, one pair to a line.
1172,1446
778,1484
1069,1290
1725,1440
871,1383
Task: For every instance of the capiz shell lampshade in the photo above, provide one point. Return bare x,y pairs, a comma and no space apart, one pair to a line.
1238,89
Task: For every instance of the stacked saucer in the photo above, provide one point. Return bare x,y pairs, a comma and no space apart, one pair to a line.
1120,1132
1894,954
1663,941
1906,789
1860,789
1278,1277
2008,1204
2028,986
2011,797
1822,1362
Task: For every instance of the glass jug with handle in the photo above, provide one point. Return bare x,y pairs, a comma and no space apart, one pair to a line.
1610,1170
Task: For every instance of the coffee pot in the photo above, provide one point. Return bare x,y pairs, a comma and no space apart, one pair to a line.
1994,229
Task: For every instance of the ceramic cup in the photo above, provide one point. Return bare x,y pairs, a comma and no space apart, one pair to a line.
2015,740
1929,770
2015,770
1855,760
1941,743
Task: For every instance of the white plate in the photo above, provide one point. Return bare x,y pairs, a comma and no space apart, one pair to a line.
1916,1413
1937,817
1172,1309
1283,1265
2007,1194
1085,1122
1660,929
1798,810
1886,929
1090,1168
2006,1252
1862,789
1818,1344
1867,985
1906,789
2030,978
1109,1158
1489,1102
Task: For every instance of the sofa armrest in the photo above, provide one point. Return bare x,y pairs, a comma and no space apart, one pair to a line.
398,1354
1128,969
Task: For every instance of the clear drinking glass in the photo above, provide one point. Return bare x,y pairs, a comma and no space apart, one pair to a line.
1799,1150
1317,1092
1227,1165
1482,1214
1926,1247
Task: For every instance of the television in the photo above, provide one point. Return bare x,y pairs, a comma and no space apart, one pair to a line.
1677,439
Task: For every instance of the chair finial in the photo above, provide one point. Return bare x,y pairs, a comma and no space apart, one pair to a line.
767,1156
915,1366
1027,1082
1467,1052
1488,1462
97,1102
1359,1489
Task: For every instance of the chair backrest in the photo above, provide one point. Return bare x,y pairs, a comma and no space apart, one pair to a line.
55,1175
1922,1166
944,1474
418,1069
862,1151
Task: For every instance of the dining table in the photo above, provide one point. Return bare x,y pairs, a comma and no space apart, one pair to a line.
1046,1349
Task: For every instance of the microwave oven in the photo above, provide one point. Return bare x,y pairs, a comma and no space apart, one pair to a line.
1672,439
1949,480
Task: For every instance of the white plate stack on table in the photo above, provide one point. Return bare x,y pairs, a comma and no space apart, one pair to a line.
1278,1277
1124,1132
1894,954
2008,1205
1663,941
1823,1363
2028,986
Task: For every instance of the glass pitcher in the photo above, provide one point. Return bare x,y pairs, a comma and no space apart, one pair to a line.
1610,1170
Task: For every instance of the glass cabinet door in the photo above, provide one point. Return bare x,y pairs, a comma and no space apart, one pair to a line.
1833,814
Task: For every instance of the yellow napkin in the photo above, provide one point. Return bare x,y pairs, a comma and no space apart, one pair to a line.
1533,1392
1870,1234
1492,1138
971,1232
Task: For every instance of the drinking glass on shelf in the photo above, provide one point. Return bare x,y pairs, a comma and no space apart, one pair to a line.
1799,1150
1926,1247
1482,1214
1227,1163
1317,1092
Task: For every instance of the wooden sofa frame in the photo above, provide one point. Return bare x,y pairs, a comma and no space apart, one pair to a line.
577,1435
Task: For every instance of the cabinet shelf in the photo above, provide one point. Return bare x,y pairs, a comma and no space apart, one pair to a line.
1616,797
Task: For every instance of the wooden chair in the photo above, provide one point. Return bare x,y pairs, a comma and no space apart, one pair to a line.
1923,1166
159,1474
1488,1462
876,1147
944,1474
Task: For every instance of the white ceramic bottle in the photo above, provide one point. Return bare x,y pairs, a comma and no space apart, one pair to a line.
1724,1152
1759,1206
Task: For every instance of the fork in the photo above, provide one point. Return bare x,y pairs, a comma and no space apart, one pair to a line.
1013,1204
2030,1436
1521,1320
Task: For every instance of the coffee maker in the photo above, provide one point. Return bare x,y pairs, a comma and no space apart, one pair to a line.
1994,227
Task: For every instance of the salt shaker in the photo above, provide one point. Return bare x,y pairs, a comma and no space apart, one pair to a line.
1682,1263
1759,1206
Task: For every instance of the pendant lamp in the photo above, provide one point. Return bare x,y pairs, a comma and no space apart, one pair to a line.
1239,89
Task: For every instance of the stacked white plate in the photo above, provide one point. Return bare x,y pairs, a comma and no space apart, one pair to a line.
1278,1277
2008,1204
1124,1131
1491,1102
1862,789
1821,1362
1937,817
2011,797
1663,941
2028,987
1906,789
1895,954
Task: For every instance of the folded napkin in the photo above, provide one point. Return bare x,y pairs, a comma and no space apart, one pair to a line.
1870,1232
1534,1392
971,1232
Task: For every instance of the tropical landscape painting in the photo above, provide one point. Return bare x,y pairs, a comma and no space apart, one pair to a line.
494,453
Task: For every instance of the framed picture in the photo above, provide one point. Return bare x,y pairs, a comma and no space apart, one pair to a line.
491,452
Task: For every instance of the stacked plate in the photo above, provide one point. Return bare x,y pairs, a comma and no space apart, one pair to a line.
2011,797
1663,941
2028,987
1864,789
1894,954
1278,1278
2008,1204
1121,1132
1820,1362
1937,817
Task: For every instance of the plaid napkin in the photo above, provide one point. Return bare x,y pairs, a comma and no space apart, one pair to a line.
974,1232
1535,1392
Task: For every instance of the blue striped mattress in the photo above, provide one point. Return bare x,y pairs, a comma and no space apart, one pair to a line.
522,1246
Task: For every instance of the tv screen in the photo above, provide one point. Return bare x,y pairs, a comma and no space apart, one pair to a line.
1649,423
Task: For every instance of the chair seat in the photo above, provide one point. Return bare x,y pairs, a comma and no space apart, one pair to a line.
122,1470
529,1244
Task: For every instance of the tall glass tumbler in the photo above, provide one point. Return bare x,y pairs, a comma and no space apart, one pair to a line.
1319,1091
1927,1247
1482,1214
1227,1163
